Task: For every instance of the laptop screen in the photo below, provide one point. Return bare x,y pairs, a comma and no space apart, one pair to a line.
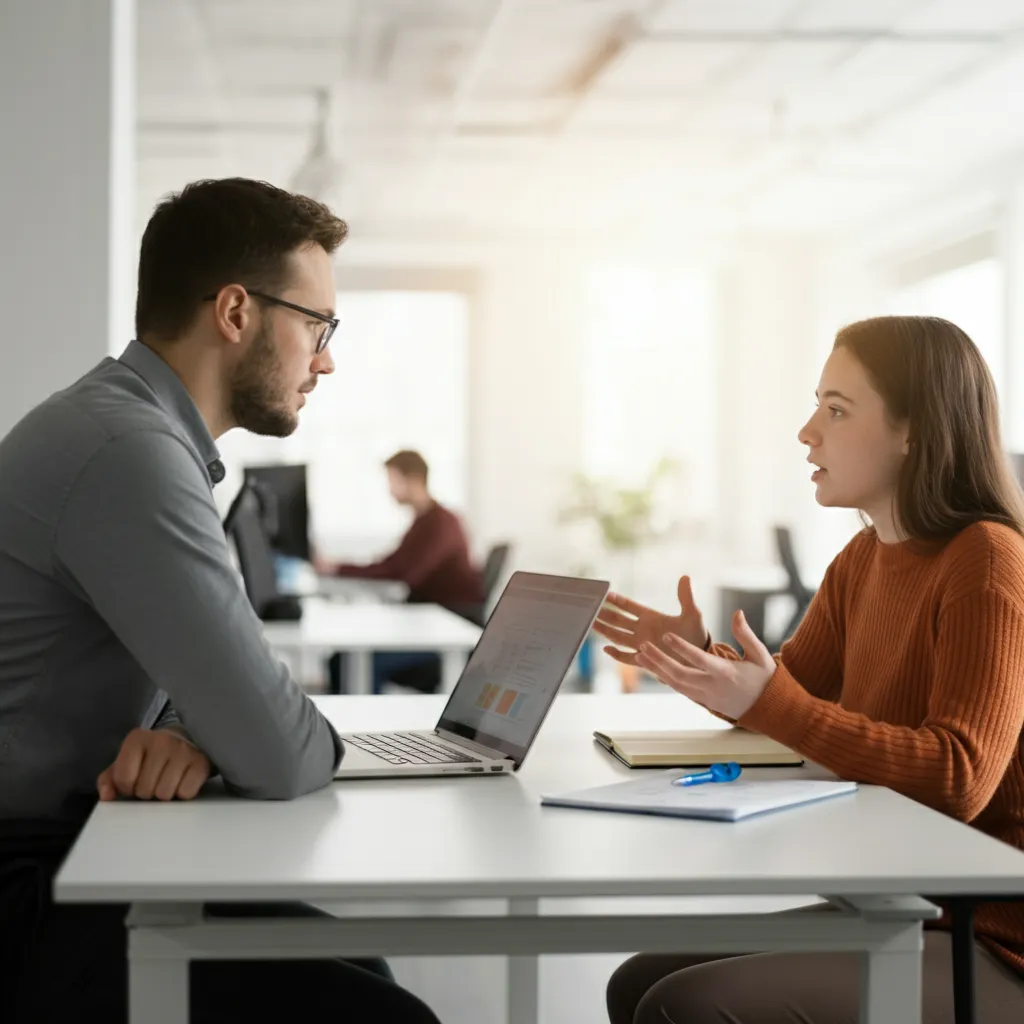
514,672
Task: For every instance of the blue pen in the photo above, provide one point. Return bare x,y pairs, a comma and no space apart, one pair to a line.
728,772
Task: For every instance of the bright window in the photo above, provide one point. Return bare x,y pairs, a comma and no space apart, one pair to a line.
649,380
401,382
970,296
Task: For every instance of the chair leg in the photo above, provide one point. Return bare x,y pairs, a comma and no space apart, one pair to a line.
337,681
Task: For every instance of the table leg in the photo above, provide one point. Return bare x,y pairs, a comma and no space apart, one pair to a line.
523,982
157,982
452,664
962,914
158,992
360,671
891,985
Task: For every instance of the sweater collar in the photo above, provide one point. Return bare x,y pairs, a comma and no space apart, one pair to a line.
906,554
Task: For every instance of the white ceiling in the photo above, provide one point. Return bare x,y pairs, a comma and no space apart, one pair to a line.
496,118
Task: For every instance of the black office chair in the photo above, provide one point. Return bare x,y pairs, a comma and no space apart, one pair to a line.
490,576
754,600
494,565
795,586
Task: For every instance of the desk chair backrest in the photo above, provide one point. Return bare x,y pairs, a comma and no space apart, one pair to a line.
494,564
784,547
490,577
795,586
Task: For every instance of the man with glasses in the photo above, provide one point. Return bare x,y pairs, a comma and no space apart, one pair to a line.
131,661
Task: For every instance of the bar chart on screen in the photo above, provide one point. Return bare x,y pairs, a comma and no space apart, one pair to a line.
521,659
505,702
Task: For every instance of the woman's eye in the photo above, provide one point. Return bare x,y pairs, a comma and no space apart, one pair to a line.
835,411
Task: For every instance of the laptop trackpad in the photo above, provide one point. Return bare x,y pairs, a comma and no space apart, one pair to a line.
356,758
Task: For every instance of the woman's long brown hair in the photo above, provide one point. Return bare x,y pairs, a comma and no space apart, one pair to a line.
932,376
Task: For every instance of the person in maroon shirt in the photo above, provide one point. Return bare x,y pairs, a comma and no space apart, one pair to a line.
432,560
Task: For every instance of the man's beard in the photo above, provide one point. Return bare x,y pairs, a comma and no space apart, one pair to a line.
258,401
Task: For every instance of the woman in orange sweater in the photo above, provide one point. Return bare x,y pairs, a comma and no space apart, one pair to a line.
907,670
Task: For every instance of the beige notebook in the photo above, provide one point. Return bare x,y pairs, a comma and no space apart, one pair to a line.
696,747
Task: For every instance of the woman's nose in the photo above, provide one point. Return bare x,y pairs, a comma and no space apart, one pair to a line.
808,434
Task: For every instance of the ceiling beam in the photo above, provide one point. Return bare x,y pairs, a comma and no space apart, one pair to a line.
784,35
470,79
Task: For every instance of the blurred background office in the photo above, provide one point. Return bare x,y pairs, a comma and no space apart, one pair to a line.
591,240
599,250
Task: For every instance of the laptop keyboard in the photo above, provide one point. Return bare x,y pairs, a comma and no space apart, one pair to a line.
408,748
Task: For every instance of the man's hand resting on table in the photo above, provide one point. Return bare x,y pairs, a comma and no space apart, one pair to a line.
155,764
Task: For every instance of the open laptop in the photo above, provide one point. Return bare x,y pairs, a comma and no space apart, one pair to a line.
504,692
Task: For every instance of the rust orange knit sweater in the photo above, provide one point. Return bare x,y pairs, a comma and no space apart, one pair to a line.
908,672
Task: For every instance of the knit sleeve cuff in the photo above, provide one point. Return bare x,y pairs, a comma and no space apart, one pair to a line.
782,712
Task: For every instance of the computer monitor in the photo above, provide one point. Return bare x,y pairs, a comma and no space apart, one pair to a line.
243,524
284,506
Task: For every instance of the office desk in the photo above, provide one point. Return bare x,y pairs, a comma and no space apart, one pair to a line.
360,629
406,858
346,590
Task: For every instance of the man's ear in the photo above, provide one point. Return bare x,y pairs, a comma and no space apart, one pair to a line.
232,311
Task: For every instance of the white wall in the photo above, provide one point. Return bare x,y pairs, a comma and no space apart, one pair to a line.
66,289
769,365
1010,219
527,402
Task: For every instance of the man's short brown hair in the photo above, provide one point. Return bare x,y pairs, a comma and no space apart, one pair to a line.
409,463
219,232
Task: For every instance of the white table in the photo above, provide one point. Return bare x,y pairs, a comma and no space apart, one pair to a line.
349,590
361,629
405,859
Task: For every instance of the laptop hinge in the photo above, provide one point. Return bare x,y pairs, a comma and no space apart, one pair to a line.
477,748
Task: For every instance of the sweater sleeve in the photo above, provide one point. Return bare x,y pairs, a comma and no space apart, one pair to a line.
955,760
426,545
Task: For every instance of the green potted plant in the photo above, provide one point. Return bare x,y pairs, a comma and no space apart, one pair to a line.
625,520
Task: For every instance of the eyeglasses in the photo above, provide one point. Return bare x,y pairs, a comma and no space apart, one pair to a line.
330,322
